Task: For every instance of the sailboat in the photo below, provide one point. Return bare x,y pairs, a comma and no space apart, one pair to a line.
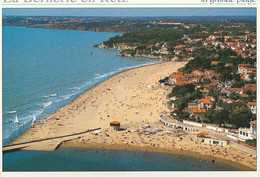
16,121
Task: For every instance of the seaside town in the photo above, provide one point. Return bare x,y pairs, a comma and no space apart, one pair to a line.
214,94
200,101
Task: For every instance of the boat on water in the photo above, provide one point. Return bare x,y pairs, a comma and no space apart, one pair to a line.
16,121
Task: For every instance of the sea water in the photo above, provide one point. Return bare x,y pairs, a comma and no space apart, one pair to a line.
45,69
79,159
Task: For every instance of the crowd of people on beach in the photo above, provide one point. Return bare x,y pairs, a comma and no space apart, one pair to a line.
133,98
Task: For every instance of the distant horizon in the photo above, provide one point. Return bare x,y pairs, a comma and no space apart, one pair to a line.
132,12
122,16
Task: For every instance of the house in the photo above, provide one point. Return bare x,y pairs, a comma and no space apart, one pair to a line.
197,73
203,137
250,87
246,77
251,70
211,98
196,79
199,113
204,103
225,91
252,107
242,65
212,86
245,70
114,126
188,122
228,64
181,83
245,134
228,84
244,96
228,101
253,126
236,90
191,108
208,73
205,91
176,76
214,63
242,68
217,75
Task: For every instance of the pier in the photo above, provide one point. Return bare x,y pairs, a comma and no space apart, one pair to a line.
47,144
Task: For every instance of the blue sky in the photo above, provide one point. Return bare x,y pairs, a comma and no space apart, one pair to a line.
132,12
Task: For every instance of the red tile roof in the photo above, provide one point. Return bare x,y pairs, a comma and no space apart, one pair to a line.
203,134
205,101
213,84
179,77
217,75
242,65
252,103
251,87
214,62
199,110
204,90
183,83
185,110
229,64
244,95
235,89
115,123
197,72
192,107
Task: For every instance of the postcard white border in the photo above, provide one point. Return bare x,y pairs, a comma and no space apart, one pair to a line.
138,4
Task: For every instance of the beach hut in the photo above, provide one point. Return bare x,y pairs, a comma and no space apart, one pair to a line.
114,126
203,134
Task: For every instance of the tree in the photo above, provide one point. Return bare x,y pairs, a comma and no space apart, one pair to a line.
241,117
221,117
195,95
210,114
252,76
236,77
234,96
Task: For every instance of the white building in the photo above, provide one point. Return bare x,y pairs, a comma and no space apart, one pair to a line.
252,107
248,133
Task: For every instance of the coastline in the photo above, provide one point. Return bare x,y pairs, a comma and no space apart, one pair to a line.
124,97
176,153
101,84
75,99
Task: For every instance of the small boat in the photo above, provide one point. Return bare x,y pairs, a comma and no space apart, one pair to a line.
16,121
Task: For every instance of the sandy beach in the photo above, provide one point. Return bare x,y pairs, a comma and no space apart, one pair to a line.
125,97
133,98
